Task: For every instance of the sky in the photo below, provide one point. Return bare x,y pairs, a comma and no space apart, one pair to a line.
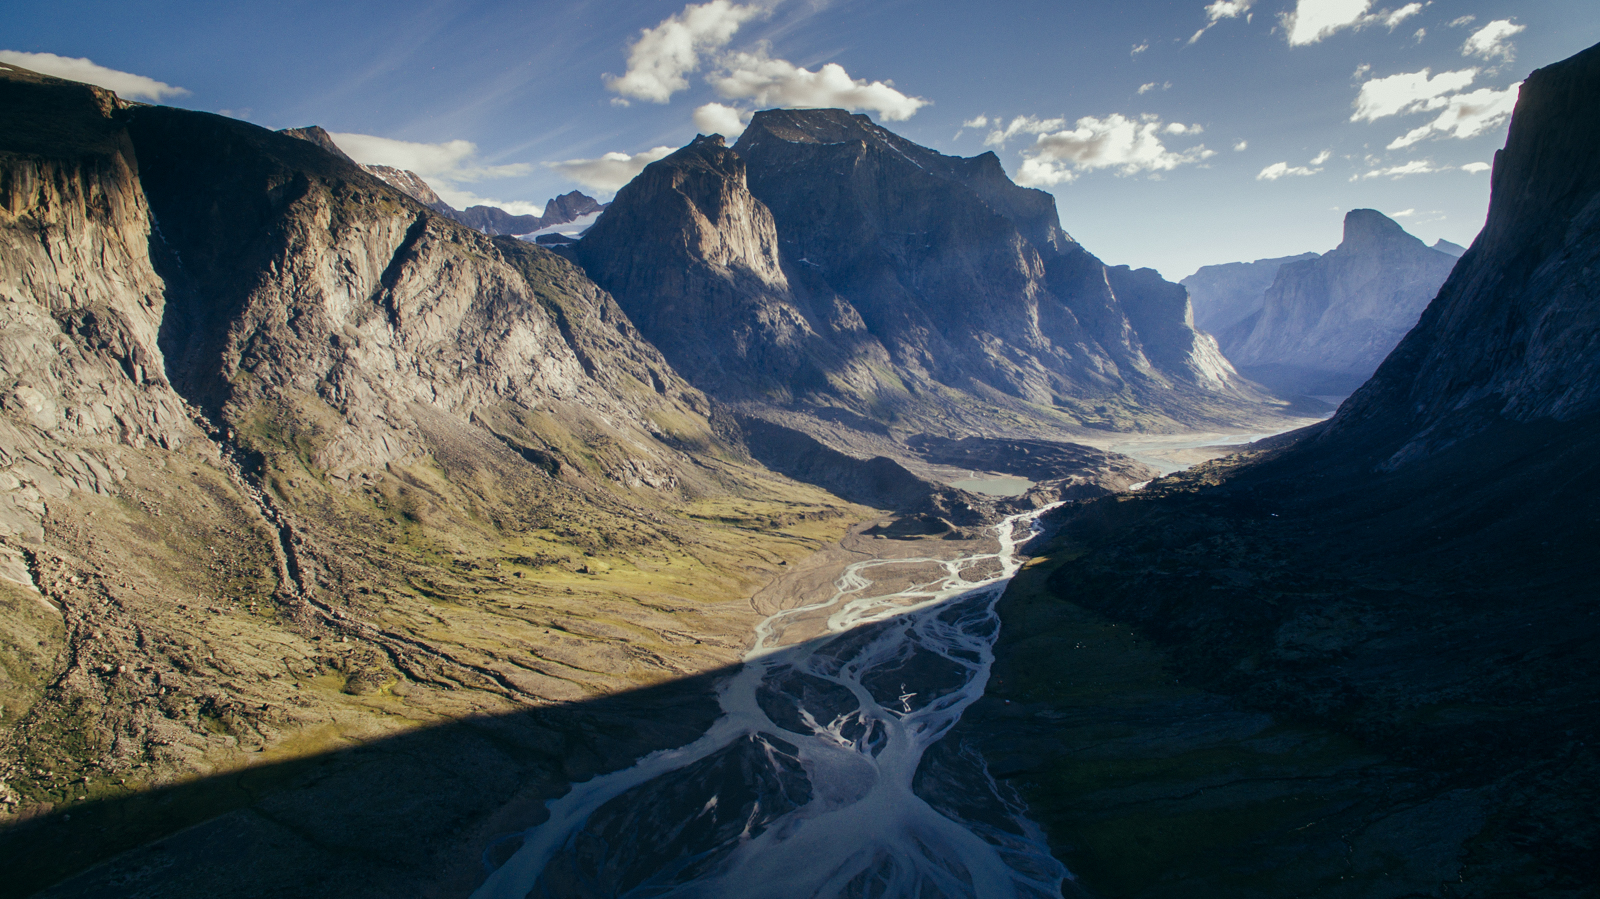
1173,133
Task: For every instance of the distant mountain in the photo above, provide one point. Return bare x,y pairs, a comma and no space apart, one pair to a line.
1224,295
1326,323
1416,575
1445,246
827,268
490,220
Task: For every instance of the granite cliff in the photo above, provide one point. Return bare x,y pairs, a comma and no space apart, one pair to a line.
828,273
290,462
1382,628
1325,323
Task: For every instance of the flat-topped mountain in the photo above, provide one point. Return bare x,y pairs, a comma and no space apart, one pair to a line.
826,267
1326,323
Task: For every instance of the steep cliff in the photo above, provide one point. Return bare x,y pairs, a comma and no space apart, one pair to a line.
833,272
1224,295
289,461
1414,576
1326,323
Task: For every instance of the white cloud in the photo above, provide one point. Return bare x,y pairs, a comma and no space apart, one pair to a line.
1400,15
1403,214
452,160
981,121
1408,92
1313,20
754,75
1322,157
1476,167
1421,33
1493,40
1139,48
715,118
1466,115
1147,88
1462,22
611,171
126,84
1181,128
444,166
662,56
1022,124
1241,146
1283,169
1116,142
1222,9
1414,167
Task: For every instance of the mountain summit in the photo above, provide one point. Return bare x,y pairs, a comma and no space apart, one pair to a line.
826,267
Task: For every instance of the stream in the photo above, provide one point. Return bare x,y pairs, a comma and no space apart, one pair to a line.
804,785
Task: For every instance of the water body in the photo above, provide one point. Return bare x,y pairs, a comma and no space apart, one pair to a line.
804,787
1003,486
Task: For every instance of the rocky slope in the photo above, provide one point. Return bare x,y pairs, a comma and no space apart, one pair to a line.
289,462
830,274
1224,295
1389,617
1326,323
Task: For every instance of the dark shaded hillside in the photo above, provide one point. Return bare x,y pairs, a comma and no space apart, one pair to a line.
1418,574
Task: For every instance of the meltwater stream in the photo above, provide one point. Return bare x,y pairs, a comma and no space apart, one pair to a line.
803,787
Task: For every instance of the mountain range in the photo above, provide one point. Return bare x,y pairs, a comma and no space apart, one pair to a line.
1381,628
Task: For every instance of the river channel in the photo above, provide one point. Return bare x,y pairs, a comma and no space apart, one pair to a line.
804,785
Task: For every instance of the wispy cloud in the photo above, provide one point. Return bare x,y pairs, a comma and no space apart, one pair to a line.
1154,85
611,171
1394,19
662,57
445,166
1223,9
1465,115
1408,92
1127,145
1493,41
126,84
1285,170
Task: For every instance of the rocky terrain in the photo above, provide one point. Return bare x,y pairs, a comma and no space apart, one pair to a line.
830,275
305,486
1324,324
1359,659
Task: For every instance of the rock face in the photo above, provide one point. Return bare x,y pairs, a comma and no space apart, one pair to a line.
286,455
1224,295
1416,573
1327,322
832,269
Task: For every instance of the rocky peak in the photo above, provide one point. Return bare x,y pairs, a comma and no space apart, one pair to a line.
1445,246
317,135
1365,229
408,183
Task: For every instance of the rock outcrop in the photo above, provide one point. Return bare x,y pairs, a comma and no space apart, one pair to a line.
1224,295
826,267
289,460
1415,574
1326,323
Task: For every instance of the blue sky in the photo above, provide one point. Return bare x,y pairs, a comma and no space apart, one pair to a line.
1173,134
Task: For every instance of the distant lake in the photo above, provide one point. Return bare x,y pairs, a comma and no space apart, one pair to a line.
995,486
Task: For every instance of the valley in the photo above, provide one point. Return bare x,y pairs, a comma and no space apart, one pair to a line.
817,517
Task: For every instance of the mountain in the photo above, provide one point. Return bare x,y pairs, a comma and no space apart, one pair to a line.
1224,295
1326,323
1377,636
290,461
827,272
490,220
1445,246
